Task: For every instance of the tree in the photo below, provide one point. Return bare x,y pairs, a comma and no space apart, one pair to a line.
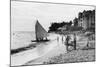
75,22
70,23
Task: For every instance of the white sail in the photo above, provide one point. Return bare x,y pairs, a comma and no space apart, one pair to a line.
40,31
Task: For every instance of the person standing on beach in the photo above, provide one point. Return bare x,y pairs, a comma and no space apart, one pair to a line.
74,41
67,42
57,38
87,42
62,39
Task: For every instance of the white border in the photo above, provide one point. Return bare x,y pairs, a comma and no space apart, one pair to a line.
5,33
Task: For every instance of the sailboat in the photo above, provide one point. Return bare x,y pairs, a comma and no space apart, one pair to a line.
40,32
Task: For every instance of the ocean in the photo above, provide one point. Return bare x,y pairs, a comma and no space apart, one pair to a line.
21,39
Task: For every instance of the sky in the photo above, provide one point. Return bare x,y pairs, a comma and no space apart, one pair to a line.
25,14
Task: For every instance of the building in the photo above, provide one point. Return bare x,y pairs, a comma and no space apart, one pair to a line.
86,19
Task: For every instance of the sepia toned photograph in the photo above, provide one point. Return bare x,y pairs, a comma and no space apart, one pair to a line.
44,33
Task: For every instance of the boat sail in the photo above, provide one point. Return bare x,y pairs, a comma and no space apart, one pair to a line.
41,33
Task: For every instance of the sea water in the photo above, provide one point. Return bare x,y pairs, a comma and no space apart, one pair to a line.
21,39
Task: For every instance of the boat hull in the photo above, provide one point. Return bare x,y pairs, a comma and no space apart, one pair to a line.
40,40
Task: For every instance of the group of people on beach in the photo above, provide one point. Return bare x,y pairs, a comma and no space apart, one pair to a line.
67,42
73,43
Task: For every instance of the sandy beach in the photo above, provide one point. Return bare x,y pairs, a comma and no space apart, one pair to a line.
54,51
31,54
